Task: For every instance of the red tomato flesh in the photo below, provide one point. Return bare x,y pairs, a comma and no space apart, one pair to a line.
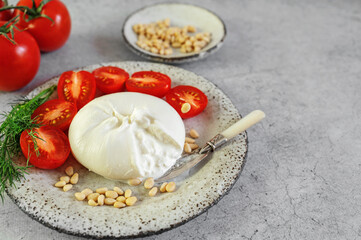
53,145
110,79
77,87
182,94
149,82
57,113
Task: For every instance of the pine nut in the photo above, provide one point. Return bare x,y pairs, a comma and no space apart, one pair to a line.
149,183
118,190
65,179
91,202
121,199
134,182
119,205
79,196
153,192
206,39
183,49
111,194
170,187
154,50
188,43
67,187
187,148
176,44
101,190
93,196
199,36
127,193
189,140
74,179
60,184
168,51
69,171
162,187
193,146
109,201
101,200
193,133
185,107
131,201
191,29
87,191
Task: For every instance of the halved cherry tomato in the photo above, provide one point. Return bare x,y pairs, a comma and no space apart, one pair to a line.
57,113
179,96
53,145
149,82
78,87
110,79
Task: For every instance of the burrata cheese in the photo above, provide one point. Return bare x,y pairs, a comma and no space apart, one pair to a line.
127,135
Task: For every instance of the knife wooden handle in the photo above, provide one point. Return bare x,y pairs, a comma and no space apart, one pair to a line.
243,124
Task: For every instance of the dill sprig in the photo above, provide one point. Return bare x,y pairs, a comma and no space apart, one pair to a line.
16,121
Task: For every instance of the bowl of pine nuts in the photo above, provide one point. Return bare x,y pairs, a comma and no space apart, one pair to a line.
173,32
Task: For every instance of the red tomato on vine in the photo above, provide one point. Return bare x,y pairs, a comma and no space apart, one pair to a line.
19,57
5,15
47,21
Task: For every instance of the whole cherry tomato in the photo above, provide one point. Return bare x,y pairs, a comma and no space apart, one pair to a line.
19,60
49,34
5,15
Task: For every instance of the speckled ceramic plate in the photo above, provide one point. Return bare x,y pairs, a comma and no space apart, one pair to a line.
197,190
180,15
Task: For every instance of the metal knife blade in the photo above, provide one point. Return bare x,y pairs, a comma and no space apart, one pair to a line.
187,163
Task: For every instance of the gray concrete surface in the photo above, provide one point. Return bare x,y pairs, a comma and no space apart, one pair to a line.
299,61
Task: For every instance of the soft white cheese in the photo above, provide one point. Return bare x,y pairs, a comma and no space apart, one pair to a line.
127,135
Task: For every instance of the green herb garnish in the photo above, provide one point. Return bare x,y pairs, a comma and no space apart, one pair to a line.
16,121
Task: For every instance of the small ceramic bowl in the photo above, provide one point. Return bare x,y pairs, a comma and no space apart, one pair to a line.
180,15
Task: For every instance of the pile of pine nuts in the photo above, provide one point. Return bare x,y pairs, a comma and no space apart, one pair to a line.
119,198
159,38
116,197
66,182
149,184
190,142
102,196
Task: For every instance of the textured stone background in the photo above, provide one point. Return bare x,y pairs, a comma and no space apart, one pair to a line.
299,61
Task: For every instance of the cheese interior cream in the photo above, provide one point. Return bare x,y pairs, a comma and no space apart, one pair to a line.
127,135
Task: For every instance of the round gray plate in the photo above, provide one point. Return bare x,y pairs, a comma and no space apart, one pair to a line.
197,190
179,15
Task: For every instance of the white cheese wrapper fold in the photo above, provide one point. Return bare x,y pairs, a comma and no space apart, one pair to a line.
127,135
